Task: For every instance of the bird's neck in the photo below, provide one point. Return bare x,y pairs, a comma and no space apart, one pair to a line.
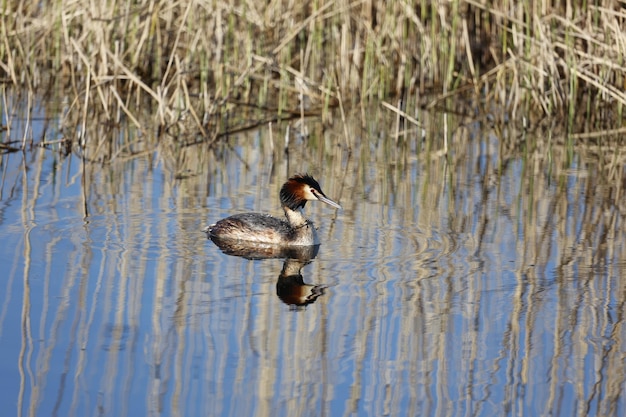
295,217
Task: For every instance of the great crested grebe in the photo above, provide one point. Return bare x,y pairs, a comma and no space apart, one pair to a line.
263,228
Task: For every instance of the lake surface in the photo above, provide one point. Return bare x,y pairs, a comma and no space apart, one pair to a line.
485,283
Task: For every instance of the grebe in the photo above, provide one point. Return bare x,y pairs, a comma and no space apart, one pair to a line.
263,228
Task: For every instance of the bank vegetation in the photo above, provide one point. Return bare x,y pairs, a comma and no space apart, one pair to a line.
201,69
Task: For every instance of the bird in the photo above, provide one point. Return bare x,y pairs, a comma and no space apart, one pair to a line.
295,230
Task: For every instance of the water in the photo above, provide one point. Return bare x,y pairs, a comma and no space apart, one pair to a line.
489,284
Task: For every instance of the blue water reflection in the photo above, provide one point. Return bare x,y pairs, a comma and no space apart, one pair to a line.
440,291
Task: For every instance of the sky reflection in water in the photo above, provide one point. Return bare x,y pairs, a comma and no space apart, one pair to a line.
476,288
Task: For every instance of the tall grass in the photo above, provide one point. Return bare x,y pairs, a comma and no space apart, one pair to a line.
200,69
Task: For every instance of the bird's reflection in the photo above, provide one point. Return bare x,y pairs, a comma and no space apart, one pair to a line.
290,287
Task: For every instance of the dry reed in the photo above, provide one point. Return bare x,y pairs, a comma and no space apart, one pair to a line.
202,69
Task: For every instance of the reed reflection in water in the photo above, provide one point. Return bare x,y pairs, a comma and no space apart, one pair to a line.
488,283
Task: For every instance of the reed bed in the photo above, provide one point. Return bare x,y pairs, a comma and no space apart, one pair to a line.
199,70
